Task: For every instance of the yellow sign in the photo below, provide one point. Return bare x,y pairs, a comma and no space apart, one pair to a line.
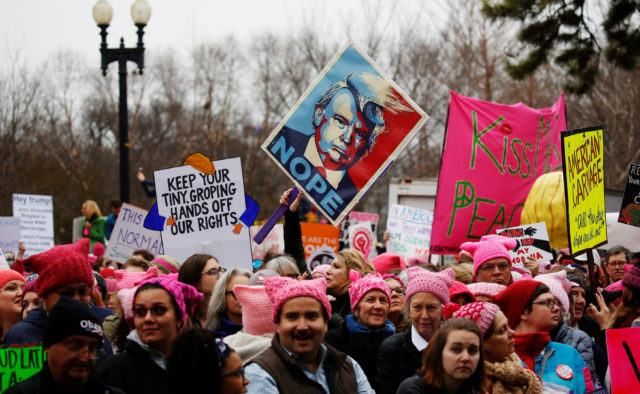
583,165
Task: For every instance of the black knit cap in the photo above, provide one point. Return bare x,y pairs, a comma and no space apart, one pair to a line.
70,317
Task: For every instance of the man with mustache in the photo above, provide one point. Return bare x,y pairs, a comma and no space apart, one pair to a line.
614,263
297,360
72,337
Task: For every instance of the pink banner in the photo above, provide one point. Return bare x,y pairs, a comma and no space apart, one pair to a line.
492,155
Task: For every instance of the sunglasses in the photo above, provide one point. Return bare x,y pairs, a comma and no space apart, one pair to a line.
156,311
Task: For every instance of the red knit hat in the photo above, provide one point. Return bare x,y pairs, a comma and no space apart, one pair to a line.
514,299
7,276
62,265
386,262
458,288
98,249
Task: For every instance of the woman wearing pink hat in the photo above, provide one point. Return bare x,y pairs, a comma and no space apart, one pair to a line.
401,355
11,286
503,369
363,331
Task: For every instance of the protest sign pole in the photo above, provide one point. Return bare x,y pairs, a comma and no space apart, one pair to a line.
590,263
279,212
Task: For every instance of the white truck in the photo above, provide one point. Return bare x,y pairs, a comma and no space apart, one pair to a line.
417,193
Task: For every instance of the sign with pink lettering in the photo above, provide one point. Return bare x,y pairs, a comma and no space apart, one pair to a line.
492,155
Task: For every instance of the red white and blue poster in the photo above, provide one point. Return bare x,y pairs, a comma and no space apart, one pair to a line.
343,133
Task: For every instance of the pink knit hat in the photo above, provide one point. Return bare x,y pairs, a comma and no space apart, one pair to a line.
558,285
7,276
418,260
631,279
112,285
485,288
127,279
386,262
125,297
254,301
362,286
423,281
489,247
481,313
321,269
186,296
458,288
282,289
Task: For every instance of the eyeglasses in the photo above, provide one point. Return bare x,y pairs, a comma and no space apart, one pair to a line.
78,346
71,292
399,290
491,267
616,264
550,303
236,372
214,271
226,293
156,311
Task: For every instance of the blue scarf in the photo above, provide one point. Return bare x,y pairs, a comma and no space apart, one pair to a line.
353,326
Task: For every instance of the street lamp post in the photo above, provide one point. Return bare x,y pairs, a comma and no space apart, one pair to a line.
102,14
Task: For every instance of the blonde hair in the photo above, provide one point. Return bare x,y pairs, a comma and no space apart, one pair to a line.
355,260
91,208
464,272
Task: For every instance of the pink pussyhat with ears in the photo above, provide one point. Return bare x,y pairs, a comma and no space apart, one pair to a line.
282,289
128,279
488,248
361,287
255,301
558,285
485,289
423,281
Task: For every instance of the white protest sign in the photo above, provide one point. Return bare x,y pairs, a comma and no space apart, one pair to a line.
409,230
129,234
4,264
9,233
361,238
533,241
205,210
36,221
273,243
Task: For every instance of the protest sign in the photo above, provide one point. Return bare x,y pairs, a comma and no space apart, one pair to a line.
9,233
630,210
583,168
203,211
361,238
36,221
76,228
343,133
319,240
129,234
18,364
533,241
409,230
4,264
273,243
491,157
356,217
623,348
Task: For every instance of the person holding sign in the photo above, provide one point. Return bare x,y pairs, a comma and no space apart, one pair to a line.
94,223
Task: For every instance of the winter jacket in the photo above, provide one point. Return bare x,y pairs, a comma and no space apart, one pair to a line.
415,385
361,346
560,366
96,231
44,383
398,359
135,371
578,340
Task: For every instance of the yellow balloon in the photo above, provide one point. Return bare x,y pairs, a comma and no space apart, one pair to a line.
546,203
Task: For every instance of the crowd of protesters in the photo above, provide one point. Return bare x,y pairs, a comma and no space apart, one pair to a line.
385,325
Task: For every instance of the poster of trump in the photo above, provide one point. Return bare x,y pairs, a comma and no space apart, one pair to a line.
344,132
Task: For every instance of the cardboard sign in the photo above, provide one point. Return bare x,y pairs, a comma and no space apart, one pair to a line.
319,240
583,168
409,230
623,347
361,238
492,155
204,210
630,210
9,233
533,241
18,364
36,221
273,243
343,133
129,234
356,217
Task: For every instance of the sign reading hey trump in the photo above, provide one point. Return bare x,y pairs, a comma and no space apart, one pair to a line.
343,133
204,212
491,157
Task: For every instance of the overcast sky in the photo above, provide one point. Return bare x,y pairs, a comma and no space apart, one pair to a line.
38,28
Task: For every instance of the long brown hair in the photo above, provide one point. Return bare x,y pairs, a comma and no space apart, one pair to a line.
432,373
629,309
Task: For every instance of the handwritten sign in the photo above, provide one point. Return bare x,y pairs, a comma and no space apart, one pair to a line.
623,347
533,241
202,212
9,233
18,364
493,153
630,210
409,230
319,240
129,234
583,167
273,243
36,221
